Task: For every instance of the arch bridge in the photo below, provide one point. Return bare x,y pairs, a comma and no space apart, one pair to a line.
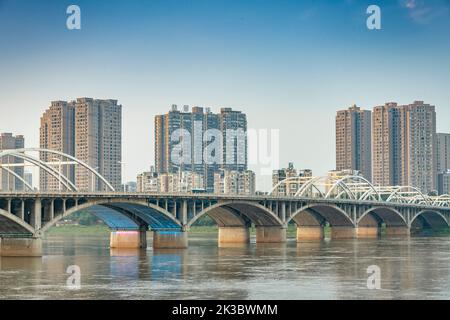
351,206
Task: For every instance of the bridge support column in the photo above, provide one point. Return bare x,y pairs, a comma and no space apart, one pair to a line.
310,233
20,247
397,231
271,234
340,232
234,235
121,239
367,232
170,239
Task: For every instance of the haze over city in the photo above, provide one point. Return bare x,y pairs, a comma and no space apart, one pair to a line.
288,66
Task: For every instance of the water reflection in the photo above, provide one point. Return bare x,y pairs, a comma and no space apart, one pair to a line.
411,268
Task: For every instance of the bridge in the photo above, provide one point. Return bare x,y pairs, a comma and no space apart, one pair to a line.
350,205
26,216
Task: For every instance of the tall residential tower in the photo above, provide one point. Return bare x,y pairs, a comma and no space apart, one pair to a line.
353,141
90,130
404,140
196,130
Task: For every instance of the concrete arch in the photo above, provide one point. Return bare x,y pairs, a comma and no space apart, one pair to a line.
146,212
14,223
327,213
434,220
389,216
239,213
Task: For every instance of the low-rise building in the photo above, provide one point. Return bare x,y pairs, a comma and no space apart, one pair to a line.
235,182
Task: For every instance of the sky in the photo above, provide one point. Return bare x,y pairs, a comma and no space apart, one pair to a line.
289,65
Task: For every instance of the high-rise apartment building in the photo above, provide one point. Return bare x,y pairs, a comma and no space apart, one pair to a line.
404,140
195,131
8,181
442,152
98,139
353,141
90,130
57,133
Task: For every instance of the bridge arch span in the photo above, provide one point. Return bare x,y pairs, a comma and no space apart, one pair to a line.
390,216
429,218
321,213
123,214
11,224
239,213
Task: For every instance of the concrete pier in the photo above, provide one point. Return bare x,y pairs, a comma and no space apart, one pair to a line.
397,231
121,239
170,240
20,247
310,233
273,234
367,232
338,232
234,235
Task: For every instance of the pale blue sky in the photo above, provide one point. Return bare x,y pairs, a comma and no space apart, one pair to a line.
288,64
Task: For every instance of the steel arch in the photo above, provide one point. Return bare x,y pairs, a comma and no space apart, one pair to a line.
83,164
17,176
401,193
285,181
42,165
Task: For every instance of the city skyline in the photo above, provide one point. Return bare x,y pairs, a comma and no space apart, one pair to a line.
284,65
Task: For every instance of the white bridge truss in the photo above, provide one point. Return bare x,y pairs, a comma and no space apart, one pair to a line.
355,188
47,167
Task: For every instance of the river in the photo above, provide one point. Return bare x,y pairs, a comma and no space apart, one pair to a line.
410,268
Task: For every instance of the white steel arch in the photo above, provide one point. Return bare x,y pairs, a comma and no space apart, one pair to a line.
83,164
298,179
41,164
25,183
407,194
356,186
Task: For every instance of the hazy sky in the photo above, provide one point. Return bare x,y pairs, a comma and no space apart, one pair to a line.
288,64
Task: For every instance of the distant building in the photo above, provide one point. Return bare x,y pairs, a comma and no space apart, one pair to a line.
57,132
443,183
294,180
130,186
171,129
148,181
233,182
8,181
442,152
98,142
404,140
90,130
28,177
183,181
353,141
